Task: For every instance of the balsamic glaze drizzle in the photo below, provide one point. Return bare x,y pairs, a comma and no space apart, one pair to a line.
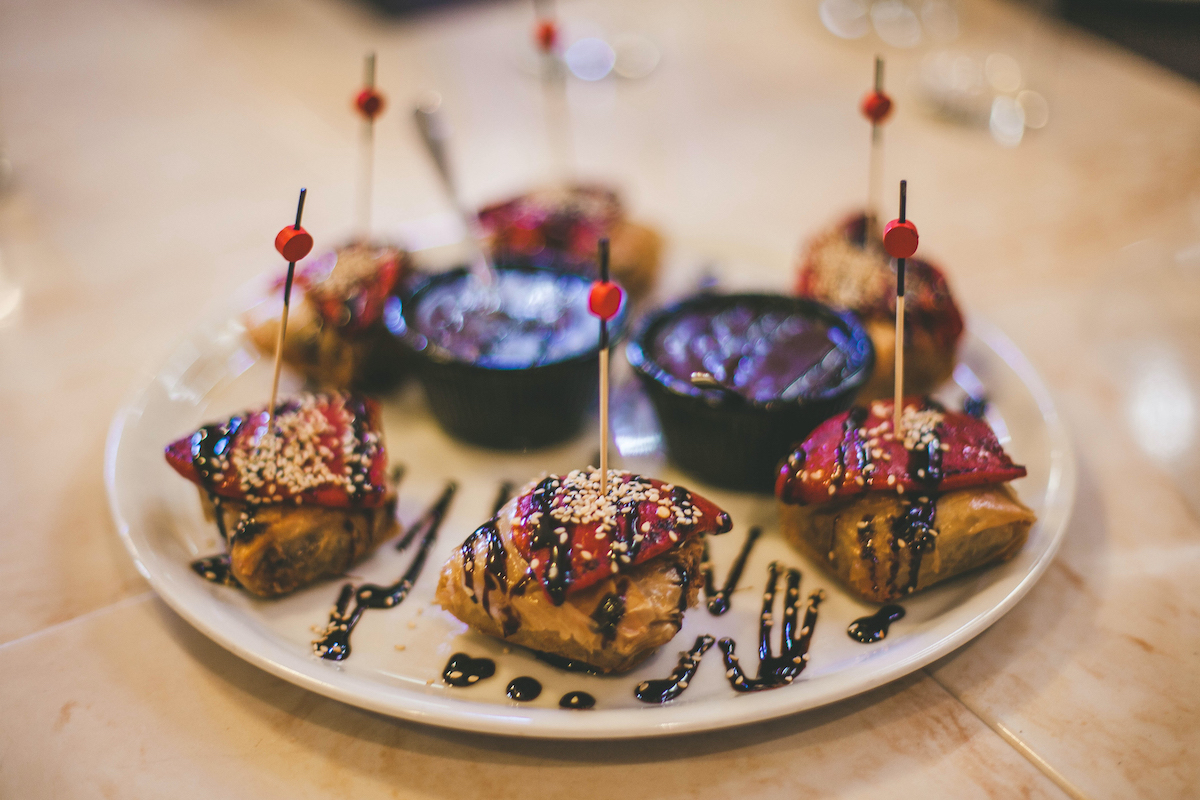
609,611
462,670
718,600
334,645
660,691
850,436
874,628
568,664
577,700
216,569
975,407
775,671
544,536
496,564
523,689
914,529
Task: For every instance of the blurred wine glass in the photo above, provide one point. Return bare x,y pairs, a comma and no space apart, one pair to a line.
982,87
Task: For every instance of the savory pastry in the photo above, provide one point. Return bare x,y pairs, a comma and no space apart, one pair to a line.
890,516
597,579
565,223
336,336
847,267
301,503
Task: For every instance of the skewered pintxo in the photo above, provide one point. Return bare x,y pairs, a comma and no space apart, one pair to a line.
336,336
892,515
601,579
847,267
559,227
300,503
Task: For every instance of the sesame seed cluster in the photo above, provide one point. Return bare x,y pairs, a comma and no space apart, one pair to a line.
573,535
846,275
577,500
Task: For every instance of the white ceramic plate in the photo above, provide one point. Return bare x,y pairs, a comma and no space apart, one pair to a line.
399,654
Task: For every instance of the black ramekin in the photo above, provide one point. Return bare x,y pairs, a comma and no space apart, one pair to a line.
506,409
723,438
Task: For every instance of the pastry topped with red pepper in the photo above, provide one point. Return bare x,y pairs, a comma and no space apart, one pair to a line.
847,267
559,227
598,578
323,449
301,502
890,515
337,334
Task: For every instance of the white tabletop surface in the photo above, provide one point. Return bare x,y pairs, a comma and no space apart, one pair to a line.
157,145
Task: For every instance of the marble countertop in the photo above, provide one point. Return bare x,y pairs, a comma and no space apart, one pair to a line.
154,143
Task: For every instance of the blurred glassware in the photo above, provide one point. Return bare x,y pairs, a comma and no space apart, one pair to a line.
848,19
897,22
976,89
637,56
590,59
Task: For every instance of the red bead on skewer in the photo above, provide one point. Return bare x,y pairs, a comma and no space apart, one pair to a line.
545,34
604,301
900,241
293,243
900,238
876,106
369,103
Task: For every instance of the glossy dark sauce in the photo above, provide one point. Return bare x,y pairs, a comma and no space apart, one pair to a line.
874,628
216,569
775,671
567,664
851,438
462,670
544,536
609,612
975,407
718,599
496,559
523,689
660,691
866,549
211,442
334,645
914,531
577,700
208,444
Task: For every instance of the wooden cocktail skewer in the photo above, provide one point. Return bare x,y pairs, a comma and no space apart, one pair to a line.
604,301
900,241
876,107
293,243
369,103
554,86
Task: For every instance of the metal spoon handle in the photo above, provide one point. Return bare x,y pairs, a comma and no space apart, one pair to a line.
432,127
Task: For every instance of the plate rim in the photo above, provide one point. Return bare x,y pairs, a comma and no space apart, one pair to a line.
596,724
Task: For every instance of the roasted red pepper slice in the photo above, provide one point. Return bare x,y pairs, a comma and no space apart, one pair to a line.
856,452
